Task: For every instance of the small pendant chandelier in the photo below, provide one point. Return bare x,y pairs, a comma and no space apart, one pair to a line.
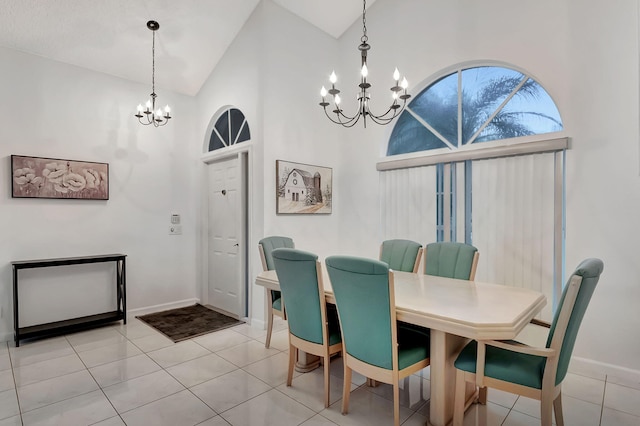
148,114
398,91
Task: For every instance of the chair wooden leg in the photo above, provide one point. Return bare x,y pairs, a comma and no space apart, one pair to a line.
396,403
267,342
327,364
293,351
346,388
459,399
546,410
557,408
482,395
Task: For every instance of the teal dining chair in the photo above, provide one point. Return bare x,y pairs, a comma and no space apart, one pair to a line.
401,255
311,328
274,299
529,371
451,260
372,343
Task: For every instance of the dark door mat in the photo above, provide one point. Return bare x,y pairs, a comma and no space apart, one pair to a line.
184,323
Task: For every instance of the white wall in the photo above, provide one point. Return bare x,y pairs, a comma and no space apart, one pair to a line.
55,110
587,59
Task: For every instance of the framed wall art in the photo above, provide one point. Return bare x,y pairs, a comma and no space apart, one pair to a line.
303,188
38,177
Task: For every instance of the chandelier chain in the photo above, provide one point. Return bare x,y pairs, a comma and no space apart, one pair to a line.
364,37
153,63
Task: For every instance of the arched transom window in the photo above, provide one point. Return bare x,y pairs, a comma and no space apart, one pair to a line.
474,105
230,128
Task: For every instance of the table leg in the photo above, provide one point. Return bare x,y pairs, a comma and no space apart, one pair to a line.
306,362
444,349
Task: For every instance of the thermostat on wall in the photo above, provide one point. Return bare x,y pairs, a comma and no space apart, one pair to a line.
175,219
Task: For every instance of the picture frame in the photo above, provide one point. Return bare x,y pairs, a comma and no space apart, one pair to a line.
303,188
41,177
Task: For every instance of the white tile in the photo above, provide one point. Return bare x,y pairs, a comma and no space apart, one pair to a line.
505,399
93,339
135,328
269,409
337,370
5,361
246,353
631,381
109,353
318,420
579,412
622,398
113,421
11,421
152,342
201,369
416,419
485,415
365,408
308,389
584,388
123,370
44,370
177,353
85,409
612,417
182,408
222,339
50,391
39,350
8,404
272,370
229,390
142,390
516,418
215,421
279,340
249,331
6,380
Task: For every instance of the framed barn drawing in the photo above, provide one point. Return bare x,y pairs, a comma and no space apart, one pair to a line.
303,188
38,177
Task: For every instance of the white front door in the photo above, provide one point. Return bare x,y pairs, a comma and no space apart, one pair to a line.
226,230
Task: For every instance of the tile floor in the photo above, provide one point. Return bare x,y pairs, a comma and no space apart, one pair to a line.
133,375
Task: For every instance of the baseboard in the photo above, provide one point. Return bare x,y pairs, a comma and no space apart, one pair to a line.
602,370
258,324
132,313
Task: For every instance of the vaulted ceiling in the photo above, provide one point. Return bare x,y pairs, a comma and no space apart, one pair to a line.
111,36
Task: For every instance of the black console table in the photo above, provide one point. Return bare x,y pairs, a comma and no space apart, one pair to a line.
73,324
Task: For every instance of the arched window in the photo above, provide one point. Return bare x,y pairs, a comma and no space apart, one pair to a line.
230,128
473,105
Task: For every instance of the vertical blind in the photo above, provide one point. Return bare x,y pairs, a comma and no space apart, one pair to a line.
408,204
513,222
514,216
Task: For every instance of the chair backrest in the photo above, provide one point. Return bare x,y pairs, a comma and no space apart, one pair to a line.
401,255
298,276
563,332
365,301
266,247
451,260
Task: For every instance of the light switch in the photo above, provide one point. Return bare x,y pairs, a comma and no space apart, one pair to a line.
175,230
175,219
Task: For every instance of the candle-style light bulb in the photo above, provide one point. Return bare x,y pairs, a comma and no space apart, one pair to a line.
394,95
323,92
396,75
139,108
159,113
337,99
364,71
167,110
404,83
333,78
148,105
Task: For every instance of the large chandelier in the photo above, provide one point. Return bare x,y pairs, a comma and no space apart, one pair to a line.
148,114
398,91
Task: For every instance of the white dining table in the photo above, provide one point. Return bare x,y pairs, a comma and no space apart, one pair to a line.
455,311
